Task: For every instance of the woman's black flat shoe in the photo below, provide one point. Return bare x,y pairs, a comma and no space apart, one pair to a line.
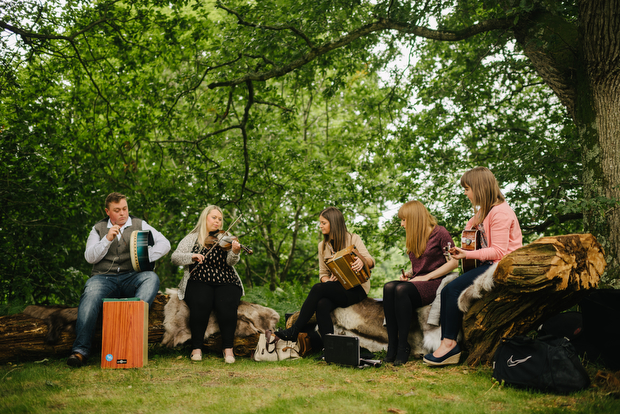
402,356
391,354
452,357
289,334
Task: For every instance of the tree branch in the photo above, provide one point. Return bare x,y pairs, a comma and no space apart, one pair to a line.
550,43
551,221
291,254
380,25
284,108
262,57
259,26
25,34
197,85
244,121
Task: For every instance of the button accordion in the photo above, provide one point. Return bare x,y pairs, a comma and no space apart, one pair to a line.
340,266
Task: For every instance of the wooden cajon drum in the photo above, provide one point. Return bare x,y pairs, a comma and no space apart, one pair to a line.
124,335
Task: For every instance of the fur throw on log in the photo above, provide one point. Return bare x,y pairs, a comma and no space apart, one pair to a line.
435,311
365,320
57,318
483,284
251,319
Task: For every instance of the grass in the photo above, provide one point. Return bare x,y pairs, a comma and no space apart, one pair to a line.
172,384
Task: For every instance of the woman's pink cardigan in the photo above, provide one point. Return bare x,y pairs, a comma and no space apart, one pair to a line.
503,234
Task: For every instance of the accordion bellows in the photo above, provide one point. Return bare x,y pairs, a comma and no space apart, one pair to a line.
340,266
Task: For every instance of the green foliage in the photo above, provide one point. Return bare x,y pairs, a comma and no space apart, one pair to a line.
479,102
42,215
132,113
287,298
11,308
272,110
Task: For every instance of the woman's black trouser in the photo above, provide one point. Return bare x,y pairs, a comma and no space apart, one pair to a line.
323,299
400,299
202,298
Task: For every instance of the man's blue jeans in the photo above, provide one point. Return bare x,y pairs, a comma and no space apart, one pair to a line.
143,285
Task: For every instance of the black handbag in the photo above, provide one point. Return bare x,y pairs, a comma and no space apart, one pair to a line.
547,363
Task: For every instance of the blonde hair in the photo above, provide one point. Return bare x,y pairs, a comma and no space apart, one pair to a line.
485,191
337,229
201,226
419,224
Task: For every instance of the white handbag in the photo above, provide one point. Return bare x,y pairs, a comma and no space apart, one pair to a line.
271,348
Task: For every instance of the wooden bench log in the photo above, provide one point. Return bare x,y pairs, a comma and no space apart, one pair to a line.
532,283
23,337
365,320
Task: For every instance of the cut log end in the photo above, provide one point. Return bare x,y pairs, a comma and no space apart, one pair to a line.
531,284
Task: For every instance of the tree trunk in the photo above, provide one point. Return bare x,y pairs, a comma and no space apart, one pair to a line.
580,63
531,284
23,337
600,31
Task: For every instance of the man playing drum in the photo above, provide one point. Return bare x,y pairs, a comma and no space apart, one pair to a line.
113,275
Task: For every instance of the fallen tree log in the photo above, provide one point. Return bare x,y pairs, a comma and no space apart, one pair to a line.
531,284
25,337
528,286
365,321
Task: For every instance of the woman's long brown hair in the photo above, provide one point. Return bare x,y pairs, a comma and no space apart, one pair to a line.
485,190
419,225
337,229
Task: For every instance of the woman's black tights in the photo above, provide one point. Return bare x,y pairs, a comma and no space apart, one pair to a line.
324,298
202,298
400,299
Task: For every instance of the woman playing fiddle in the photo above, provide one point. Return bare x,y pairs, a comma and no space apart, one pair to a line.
210,282
425,241
330,294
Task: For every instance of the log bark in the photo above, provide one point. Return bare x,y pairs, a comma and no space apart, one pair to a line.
532,283
22,337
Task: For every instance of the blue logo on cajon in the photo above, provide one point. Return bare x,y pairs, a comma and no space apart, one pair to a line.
109,357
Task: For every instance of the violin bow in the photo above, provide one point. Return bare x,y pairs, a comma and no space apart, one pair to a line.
233,223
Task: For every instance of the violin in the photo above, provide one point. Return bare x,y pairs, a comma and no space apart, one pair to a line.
224,240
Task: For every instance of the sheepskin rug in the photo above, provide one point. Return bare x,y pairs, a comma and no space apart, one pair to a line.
251,319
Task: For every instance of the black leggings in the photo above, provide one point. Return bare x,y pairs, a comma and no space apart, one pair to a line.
400,299
202,298
324,298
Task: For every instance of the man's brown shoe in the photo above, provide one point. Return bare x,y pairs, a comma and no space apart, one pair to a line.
76,360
